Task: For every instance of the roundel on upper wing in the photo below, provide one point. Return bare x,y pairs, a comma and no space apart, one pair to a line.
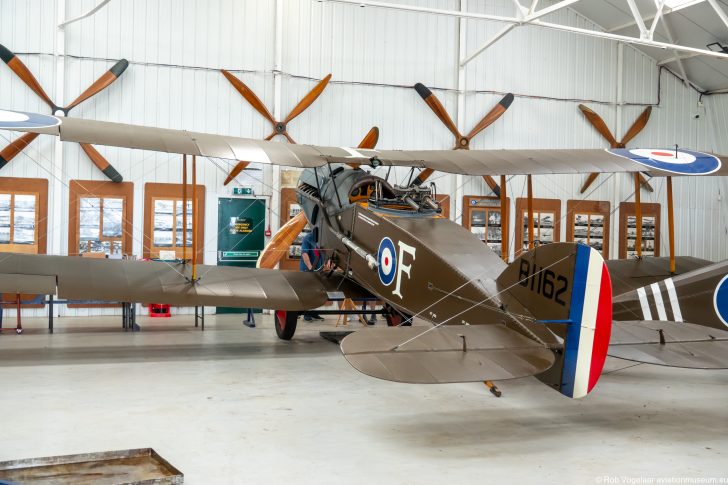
387,259
682,162
11,120
720,300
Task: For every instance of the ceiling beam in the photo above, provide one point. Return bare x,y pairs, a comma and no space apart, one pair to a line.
660,9
719,10
666,11
638,18
535,21
679,57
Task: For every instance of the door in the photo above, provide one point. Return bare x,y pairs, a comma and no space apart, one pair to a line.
240,235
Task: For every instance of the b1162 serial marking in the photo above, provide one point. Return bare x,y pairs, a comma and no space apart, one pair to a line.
543,281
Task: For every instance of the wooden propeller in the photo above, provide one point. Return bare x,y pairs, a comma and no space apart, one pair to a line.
598,123
279,127
462,142
22,71
286,235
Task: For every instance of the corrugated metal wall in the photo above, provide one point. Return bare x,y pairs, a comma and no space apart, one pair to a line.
176,48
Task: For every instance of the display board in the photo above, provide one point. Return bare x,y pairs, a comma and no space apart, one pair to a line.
628,230
240,235
547,222
100,218
164,218
588,223
482,216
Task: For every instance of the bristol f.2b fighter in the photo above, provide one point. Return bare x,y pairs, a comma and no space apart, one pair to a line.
555,312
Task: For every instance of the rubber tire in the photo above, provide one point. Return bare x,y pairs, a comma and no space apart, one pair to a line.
285,323
394,317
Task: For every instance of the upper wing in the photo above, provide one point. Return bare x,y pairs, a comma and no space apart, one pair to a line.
467,162
75,277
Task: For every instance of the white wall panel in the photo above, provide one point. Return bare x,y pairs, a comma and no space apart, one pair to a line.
176,49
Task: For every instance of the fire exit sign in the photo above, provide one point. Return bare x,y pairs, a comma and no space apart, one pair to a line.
242,190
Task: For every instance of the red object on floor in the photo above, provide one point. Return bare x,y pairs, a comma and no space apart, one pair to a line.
159,310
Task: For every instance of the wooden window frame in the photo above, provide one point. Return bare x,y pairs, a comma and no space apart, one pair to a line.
470,204
39,188
649,209
154,191
590,207
100,189
539,205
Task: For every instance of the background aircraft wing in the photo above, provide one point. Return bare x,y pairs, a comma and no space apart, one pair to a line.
673,344
462,353
158,282
467,162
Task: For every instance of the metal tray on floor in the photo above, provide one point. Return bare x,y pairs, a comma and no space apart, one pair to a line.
140,466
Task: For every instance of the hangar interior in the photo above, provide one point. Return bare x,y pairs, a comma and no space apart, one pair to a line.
234,404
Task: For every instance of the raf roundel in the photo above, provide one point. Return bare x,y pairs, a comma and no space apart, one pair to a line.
681,162
720,300
387,259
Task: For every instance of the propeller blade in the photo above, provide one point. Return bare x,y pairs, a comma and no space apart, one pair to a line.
101,83
249,96
423,176
370,139
492,115
437,108
308,99
492,184
599,124
587,183
102,163
17,66
235,171
637,126
278,246
645,184
10,151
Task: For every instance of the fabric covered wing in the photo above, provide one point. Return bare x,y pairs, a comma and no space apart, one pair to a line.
468,162
157,282
492,352
682,344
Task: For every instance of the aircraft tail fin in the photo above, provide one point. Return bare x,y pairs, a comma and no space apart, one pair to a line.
567,288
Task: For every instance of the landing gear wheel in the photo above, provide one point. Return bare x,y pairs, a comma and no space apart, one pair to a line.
395,318
285,323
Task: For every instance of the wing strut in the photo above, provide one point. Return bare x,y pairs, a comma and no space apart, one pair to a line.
184,209
638,215
671,225
530,214
194,219
504,221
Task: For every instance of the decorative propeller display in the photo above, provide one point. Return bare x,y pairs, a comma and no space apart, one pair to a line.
279,127
462,142
598,123
286,235
20,69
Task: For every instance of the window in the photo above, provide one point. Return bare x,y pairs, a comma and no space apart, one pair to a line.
628,230
100,218
23,215
482,215
164,220
546,222
589,224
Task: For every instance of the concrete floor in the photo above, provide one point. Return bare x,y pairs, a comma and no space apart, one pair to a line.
234,405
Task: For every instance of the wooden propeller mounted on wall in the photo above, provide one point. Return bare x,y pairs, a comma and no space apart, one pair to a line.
462,142
598,123
20,69
286,235
279,127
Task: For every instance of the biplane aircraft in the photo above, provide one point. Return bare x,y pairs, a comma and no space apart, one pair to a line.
554,312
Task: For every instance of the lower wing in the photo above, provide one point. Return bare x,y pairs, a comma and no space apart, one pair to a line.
158,282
